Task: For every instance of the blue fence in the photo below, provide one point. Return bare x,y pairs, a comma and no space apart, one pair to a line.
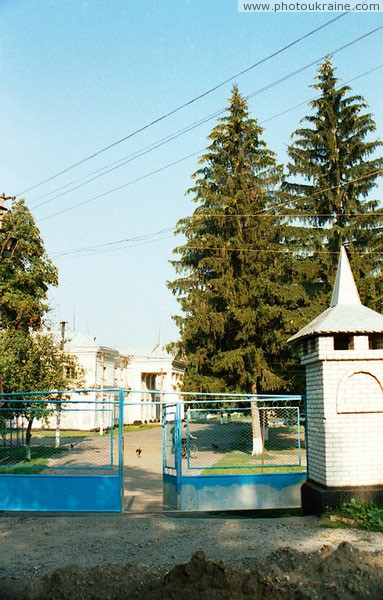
62,451
225,452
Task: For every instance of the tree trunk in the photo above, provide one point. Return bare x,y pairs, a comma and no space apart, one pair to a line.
28,437
257,442
58,423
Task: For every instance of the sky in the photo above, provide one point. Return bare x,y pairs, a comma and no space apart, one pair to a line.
79,76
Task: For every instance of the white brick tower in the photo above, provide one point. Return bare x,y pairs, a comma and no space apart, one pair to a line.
342,350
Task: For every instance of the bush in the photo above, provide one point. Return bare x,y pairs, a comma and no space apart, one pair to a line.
355,513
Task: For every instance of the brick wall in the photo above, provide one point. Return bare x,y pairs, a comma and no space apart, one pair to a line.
344,413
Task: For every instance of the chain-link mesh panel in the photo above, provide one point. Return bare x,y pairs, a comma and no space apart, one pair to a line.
169,437
40,434
246,438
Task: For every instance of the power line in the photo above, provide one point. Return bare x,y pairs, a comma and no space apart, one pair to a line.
362,37
175,163
286,251
142,239
182,106
269,86
146,150
108,245
305,102
123,161
120,187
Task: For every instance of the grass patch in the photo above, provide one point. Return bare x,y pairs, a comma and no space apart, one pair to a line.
15,458
64,433
239,463
354,513
128,428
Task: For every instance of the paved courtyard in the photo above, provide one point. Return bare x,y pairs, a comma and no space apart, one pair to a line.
143,474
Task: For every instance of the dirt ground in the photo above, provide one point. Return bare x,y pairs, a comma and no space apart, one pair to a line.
146,554
161,556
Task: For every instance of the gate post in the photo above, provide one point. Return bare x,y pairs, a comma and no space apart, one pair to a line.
121,443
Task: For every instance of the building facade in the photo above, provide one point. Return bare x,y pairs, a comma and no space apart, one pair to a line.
148,375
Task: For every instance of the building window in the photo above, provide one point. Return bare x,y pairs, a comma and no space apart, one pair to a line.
375,341
343,342
70,371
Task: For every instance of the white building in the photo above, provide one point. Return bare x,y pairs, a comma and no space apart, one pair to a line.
149,375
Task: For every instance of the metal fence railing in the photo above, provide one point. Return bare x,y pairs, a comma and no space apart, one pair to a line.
232,435
201,433
71,431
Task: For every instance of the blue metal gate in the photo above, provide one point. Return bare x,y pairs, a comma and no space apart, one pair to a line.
62,451
230,452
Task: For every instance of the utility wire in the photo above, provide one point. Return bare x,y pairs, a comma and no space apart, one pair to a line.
376,172
146,150
285,251
107,245
120,187
182,106
144,238
269,86
124,161
305,102
362,37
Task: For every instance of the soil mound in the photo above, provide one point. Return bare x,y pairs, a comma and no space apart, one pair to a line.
341,574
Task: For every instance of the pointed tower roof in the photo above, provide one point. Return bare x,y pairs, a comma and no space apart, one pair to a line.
345,290
346,313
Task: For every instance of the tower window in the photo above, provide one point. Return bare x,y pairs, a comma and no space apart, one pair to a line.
343,342
375,341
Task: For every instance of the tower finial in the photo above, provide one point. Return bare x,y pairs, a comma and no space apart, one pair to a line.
345,290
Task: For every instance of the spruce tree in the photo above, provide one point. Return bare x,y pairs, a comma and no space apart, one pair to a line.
236,284
333,168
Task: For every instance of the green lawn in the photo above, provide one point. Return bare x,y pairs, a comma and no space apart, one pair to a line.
15,458
128,428
240,463
64,433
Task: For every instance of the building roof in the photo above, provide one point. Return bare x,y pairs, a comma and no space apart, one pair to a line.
81,342
346,313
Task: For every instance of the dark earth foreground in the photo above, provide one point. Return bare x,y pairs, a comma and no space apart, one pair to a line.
165,556
344,573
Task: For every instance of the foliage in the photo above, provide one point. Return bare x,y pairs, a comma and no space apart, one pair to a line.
236,285
355,513
30,359
30,362
335,167
27,275
34,362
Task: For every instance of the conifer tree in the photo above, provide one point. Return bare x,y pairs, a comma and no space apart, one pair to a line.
333,168
235,286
